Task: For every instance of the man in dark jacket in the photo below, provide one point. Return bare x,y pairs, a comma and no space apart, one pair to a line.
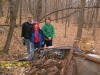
27,33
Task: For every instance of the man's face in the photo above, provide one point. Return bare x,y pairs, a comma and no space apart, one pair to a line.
29,19
47,21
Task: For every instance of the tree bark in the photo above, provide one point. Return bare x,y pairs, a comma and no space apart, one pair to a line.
81,20
13,14
7,17
20,21
56,8
0,8
96,17
39,10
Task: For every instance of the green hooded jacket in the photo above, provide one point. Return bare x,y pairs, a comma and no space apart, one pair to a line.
48,30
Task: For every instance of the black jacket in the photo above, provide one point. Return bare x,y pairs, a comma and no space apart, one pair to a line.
27,30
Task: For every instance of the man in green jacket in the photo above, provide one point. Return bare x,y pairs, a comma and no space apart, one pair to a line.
48,31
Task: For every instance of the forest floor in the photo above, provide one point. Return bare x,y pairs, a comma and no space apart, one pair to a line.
17,49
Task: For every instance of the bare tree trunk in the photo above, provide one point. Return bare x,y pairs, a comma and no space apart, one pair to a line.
66,17
26,8
45,6
8,13
56,8
96,16
13,14
81,20
91,13
0,8
39,10
30,7
62,6
20,21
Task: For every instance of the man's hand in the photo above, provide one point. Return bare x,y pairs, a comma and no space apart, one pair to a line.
49,38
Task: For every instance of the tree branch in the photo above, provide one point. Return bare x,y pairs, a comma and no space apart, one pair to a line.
63,10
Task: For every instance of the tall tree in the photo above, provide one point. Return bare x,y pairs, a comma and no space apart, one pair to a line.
0,8
81,19
13,13
39,10
56,8
8,13
20,21
96,17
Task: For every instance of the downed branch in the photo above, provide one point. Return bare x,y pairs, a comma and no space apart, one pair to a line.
96,60
67,63
54,61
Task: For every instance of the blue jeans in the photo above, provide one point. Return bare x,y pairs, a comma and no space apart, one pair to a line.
30,46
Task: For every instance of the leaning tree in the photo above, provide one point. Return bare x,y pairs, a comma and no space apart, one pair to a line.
13,13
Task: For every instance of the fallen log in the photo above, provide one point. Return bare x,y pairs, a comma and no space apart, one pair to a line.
67,62
96,60
76,52
56,66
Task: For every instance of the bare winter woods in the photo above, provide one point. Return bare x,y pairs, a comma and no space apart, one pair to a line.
77,34
80,13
